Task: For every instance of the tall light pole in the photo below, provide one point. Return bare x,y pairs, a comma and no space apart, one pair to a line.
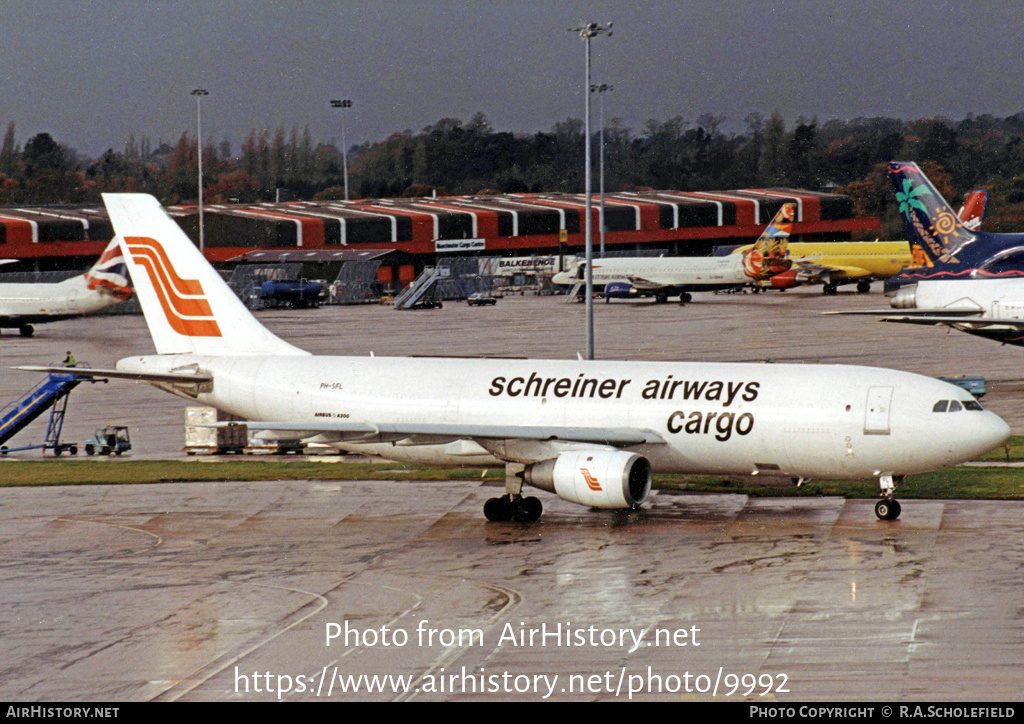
199,93
601,89
588,31
343,104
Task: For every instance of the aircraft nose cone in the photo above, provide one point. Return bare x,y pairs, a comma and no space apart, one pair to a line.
999,431
988,431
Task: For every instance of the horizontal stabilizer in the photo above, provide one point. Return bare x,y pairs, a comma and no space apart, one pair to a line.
90,373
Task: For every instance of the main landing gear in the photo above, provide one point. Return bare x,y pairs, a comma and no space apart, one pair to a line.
512,506
888,508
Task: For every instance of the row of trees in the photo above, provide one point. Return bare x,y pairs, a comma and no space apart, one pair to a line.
456,157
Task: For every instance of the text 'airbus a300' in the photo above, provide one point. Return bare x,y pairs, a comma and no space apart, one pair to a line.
965,279
592,432
104,285
666,276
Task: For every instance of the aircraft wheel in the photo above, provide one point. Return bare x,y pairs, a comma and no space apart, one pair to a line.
527,510
26,330
829,289
863,287
498,510
888,509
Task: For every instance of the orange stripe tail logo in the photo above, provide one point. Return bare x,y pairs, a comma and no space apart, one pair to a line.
591,480
183,300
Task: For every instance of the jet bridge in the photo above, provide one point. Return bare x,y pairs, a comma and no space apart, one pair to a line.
51,394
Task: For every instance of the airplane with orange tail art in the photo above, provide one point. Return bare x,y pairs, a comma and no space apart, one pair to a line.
834,263
104,285
662,277
590,432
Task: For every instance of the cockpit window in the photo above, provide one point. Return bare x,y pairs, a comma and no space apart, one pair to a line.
956,405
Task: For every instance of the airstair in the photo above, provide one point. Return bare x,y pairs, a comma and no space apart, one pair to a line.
51,394
416,292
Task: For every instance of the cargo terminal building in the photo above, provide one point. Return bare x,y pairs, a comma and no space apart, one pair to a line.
420,231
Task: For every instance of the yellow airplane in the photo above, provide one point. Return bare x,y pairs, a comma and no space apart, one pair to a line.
832,263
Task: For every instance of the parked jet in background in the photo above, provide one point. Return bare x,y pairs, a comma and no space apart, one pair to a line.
104,285
943,246
965,279
991,308
662,277
832,263
589,431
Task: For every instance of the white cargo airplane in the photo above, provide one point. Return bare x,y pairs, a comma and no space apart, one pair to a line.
104,285
592,432
665,276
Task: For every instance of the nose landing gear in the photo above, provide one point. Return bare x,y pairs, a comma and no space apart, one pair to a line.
888,508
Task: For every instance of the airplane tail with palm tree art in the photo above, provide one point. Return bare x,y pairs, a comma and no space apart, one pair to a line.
942,246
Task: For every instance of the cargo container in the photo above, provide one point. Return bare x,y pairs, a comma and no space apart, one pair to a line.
208,430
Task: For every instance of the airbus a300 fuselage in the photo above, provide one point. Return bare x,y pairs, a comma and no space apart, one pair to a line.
737,419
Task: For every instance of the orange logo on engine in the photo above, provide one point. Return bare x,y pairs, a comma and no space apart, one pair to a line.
591,480
183,300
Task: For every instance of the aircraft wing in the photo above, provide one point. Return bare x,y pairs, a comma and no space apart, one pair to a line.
956,312
807,269
962,321
645,284
959,316
443,432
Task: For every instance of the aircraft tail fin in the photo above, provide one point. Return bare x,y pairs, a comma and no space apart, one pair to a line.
188,307
110,273
972,213
933,229
768,255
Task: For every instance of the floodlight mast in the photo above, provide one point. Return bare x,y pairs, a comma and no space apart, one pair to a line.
199,93
586,33
601,89
343,104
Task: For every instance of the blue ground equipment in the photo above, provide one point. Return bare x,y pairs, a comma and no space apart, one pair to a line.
51,394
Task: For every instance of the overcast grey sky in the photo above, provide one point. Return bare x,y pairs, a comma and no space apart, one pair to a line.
90,72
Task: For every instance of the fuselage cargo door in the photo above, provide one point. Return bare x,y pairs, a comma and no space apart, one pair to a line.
876,414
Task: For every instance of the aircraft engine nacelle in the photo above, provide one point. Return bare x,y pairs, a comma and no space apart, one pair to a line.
784,280
904,298
597,478
619,290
